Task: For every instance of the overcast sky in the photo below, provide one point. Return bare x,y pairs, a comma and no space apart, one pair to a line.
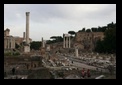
48,20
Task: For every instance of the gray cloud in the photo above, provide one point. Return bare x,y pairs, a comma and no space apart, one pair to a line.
57,17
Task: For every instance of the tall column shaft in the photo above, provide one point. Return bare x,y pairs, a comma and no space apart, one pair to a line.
43,43
27,27
76,52
69,41
64,42
24,36
14,43
8,43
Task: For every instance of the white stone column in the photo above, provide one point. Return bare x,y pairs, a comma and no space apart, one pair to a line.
64,42
24,36
43,43
27,27
69,41
10,43
7,43
27,46
13,43
76,52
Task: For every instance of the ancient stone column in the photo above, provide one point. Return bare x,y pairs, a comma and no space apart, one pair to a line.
27,27
48,48
43,43
76,52
64,42
69,41
11,43
24,36
14,43
8,43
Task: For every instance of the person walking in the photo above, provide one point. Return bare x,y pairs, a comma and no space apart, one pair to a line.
83,73
88,73
13,71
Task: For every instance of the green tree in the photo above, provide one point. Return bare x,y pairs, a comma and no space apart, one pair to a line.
108,45
111,25
88,30
99,46
99,29
55,39
83,30
59,39
17,46
71,32
110,40
94,29
35,45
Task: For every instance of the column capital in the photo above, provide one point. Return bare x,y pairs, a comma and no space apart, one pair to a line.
27,13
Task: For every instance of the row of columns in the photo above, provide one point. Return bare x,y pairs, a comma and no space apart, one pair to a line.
66,43
9,43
